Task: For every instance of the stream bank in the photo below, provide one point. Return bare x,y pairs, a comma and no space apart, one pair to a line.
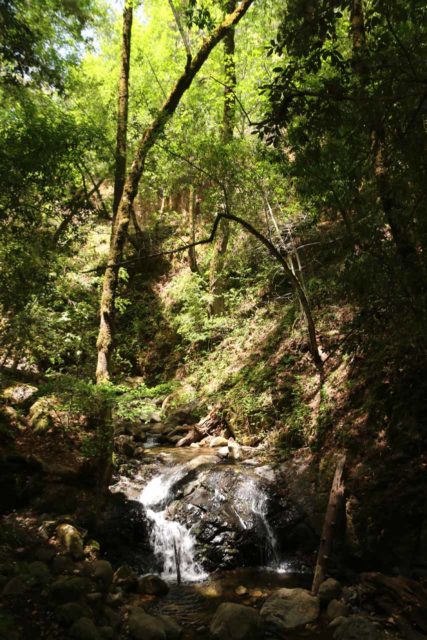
245,527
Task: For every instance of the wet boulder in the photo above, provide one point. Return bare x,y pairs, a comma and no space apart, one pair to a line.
143,626
236,622
152,584
228,511
289,609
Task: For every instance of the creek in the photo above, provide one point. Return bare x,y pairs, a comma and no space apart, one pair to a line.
215,529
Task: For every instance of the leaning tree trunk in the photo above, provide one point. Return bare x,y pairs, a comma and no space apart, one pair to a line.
216,275
148,139
296,285
335,507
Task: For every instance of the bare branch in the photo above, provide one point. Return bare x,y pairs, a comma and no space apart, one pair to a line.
296,284
239,102
184,34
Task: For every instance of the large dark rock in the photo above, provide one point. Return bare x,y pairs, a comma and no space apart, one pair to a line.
229,512
39,572
68,613
330,589
236,622
20,481
289,609
123,532
84,629
355,628
152,584
70,589
143,626
102,573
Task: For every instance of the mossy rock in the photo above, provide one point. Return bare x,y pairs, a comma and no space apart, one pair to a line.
70,612
70,540
41,413
39,571
84,629
70,589
19,395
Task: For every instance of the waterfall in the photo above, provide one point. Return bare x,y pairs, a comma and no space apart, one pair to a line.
172,542
251,493
259,507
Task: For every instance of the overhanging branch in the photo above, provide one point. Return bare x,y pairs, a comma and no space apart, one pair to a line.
296,284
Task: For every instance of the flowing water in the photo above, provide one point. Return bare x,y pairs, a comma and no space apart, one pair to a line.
257,499
172,542
194,601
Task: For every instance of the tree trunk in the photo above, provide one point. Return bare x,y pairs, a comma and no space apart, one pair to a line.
216,275
394,215
335,506
149,137
357,25
104,434
123,107
193,206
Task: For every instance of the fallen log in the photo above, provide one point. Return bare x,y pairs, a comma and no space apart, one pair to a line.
211,425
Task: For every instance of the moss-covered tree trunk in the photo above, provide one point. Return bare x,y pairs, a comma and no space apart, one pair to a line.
192,215
216,273
149,137
123,106
104,419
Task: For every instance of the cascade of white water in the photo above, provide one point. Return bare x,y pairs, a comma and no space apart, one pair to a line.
255,496
172,542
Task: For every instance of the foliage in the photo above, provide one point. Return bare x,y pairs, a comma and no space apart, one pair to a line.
314,111
39,41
